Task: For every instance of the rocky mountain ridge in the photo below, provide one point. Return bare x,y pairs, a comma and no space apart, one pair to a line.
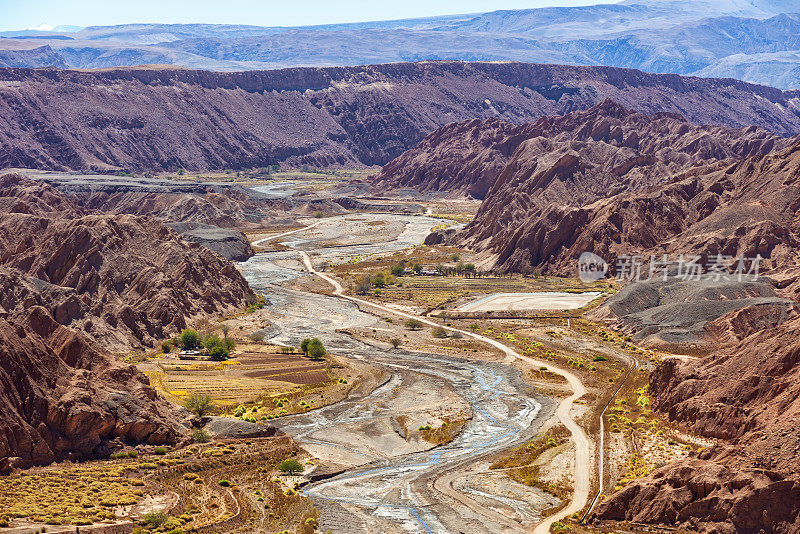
600,151
168,119
120,279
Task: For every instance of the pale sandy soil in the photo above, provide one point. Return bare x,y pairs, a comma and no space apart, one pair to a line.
530,301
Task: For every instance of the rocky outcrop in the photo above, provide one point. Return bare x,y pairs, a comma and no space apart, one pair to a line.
679,315
541,213
748,395
230,244
72,281
566,160
63,398
706,496
164,118
121,279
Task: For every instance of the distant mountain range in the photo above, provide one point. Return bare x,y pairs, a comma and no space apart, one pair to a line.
752,40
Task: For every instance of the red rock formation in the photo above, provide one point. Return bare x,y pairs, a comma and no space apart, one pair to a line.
71,282
748,395
567,160
119,279
151,118
62,397
739,209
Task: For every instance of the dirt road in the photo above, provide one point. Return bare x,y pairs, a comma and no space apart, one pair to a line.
583,463
395,484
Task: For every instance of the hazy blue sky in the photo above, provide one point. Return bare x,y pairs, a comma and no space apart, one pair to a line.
20,14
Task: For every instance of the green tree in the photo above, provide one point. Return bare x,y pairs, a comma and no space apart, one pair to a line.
219,353
212,342
229,343
199,404
290,466
316,349
190,339
417,268
395,341
379,280
414,324
398,269
439,332
304,346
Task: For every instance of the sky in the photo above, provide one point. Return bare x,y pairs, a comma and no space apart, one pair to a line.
24,14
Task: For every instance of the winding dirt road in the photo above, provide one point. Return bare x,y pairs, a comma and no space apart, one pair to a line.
583,460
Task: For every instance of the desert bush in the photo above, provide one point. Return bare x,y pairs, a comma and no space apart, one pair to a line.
379,280
395,342
413,324
316,349
225,483
213,341
439,332
200,436
166,347
154,519
160,451
258,337
364,285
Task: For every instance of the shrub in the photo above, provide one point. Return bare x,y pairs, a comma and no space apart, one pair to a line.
290,466
258,337
200,436
395,341
190,339
161,451
166,347
599,359
304,345
398,270
154,519
439,332
364,285
219,353
379,280
414,324
224,483
229,343
133,454
199,404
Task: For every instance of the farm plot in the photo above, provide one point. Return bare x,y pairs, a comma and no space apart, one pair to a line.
253,372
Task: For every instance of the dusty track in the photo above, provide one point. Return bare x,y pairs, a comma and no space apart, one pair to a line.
398,489
583,463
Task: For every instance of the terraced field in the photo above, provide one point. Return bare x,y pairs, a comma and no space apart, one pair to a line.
253,372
